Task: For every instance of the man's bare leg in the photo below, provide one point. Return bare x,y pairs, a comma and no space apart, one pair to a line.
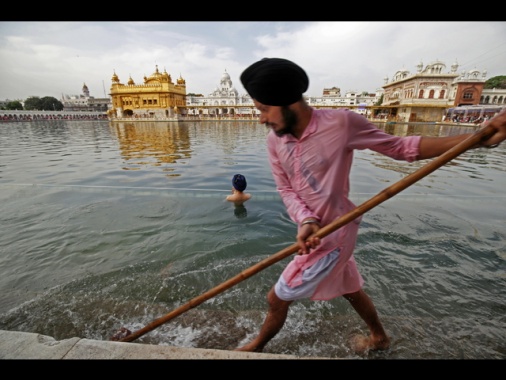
274,321
378,339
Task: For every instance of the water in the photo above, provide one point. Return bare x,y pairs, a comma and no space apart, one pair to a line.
116,225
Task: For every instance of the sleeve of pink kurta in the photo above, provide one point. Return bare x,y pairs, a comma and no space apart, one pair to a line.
366,135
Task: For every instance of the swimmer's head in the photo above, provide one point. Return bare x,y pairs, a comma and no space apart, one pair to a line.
239,182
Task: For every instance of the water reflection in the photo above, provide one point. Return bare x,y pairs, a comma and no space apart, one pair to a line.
99,227
431,130
160,143
240,211
392,170
152,143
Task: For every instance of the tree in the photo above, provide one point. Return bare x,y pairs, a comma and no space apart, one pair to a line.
380,101
14,105
47,103
50,103
496,82
32,103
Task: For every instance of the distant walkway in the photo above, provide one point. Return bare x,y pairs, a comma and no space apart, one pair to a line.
15,115
184,118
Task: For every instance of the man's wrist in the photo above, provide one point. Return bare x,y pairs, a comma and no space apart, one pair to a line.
310,221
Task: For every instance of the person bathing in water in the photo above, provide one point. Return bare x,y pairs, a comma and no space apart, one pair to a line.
238,195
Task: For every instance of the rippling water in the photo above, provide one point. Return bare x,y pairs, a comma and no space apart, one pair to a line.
115,225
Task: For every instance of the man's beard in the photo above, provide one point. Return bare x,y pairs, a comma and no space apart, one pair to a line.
290,121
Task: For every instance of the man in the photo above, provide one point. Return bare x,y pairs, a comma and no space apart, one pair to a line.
310,153
238,195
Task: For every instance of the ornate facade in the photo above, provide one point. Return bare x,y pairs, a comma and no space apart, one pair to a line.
427,94
158,97
225,101
420,97
493,96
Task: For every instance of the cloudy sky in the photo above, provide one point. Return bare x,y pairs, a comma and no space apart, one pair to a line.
55,58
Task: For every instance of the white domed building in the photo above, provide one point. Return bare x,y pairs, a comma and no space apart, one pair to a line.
223,102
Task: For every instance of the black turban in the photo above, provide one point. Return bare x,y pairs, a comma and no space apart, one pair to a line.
239,182
275,81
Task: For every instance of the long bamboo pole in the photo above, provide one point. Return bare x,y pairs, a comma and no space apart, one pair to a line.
477,137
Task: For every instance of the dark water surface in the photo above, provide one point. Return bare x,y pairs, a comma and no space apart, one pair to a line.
116,225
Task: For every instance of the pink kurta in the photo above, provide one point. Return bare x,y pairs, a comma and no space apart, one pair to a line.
312,177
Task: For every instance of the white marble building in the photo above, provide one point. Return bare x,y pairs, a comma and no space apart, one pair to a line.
85,102
225,101
357,102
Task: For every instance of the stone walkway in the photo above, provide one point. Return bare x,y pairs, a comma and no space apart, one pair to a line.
21,345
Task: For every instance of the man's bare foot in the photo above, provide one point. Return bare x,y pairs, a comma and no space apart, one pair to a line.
361,343
250,347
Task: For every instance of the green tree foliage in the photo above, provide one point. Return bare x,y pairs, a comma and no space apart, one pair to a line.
380,101
498,82
50,103
32,103
47,103
14,105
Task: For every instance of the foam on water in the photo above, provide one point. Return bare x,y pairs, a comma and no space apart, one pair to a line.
99,234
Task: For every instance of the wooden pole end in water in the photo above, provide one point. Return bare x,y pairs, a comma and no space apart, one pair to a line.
120,334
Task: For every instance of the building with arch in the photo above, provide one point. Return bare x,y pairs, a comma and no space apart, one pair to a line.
157,97
226,102
426,95
420,97
223,102
84,102
355,101
493,96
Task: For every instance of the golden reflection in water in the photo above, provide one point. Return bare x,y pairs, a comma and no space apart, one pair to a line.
162,143
166,143
152,143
